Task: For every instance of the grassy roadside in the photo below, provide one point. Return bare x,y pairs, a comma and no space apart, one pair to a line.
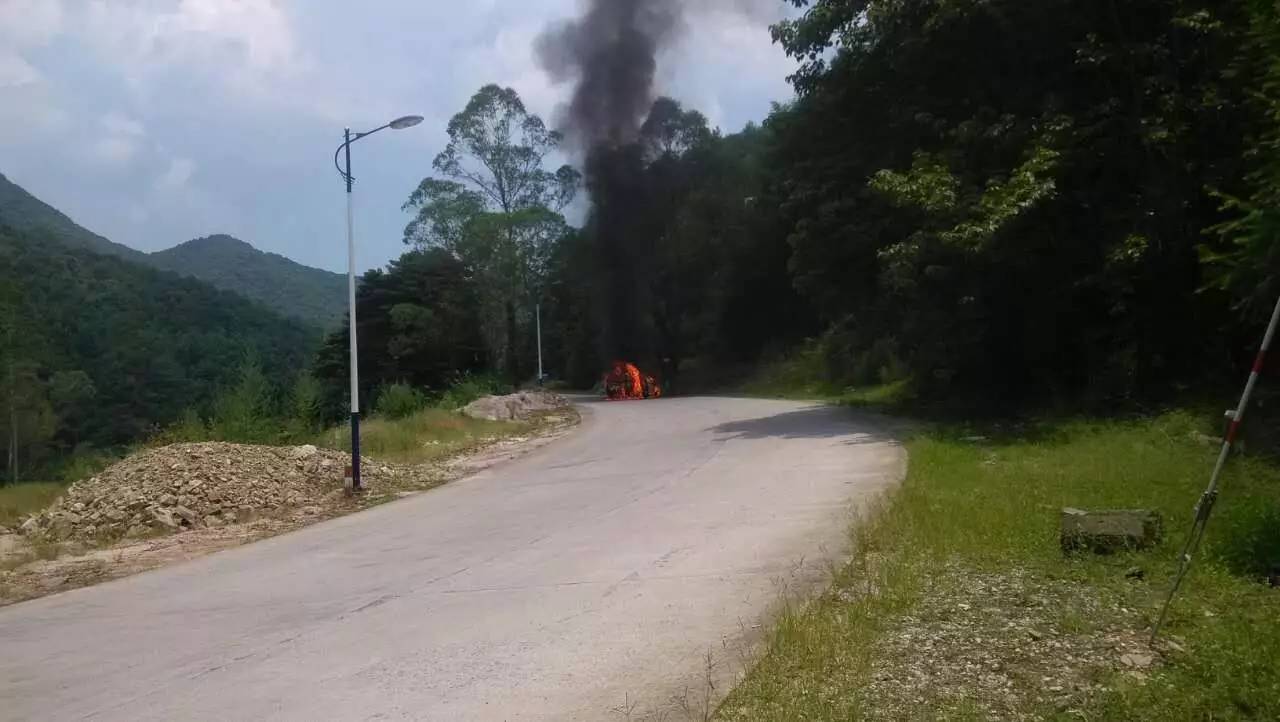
421,437
959,604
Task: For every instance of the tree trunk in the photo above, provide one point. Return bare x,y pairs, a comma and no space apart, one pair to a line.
13,441
513,359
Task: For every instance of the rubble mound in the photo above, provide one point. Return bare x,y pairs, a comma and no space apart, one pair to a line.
514,407
194,485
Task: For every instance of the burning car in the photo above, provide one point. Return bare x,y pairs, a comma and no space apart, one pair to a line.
625,381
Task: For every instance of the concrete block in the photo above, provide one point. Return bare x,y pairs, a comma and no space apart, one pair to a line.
1109,530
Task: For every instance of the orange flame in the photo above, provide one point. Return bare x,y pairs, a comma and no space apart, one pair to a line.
624,381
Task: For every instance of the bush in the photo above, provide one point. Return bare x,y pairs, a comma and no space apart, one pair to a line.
242,414
398,401
469,387
306,404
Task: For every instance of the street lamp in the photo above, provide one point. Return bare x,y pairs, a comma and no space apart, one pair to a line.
407,121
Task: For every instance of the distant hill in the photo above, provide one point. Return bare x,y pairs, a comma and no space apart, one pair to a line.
310,295
22,211
106,350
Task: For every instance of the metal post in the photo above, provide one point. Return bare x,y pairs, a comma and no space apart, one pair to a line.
1205,506
351,317
538,316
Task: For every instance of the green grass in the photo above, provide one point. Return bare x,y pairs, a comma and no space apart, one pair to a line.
992,505
799,375
19,500
421,437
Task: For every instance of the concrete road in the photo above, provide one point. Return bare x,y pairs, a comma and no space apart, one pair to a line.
595,576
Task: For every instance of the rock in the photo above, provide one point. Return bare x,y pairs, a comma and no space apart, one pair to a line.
165,518
1137,660
136,531
1109,530
1135,573
514,406
234,482
213,522
306,451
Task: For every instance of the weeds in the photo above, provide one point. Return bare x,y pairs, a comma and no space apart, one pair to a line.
19,500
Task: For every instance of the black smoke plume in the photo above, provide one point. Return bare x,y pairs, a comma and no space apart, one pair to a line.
611,54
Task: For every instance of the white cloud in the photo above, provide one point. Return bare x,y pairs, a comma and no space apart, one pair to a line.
30,23
177,175
116,123
15,71
114,150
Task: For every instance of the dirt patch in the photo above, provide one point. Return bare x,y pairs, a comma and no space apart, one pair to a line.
1008,645
35,564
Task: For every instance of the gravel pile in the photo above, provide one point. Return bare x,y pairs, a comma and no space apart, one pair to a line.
514,407
195,485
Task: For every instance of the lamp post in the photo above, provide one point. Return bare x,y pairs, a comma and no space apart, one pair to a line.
407,121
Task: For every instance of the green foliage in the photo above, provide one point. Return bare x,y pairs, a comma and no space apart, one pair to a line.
306,404
311,296
110,350
501,221
23,212
420,437
19,500
419,323
396,401
1017,194
243,412
469,387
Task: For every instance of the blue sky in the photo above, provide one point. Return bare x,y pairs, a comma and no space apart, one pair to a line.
156,121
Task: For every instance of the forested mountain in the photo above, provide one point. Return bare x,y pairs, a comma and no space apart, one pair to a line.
22,211
308,294
96,351
291,289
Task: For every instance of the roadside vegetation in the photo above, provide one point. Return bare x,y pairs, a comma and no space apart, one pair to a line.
958,602
408,426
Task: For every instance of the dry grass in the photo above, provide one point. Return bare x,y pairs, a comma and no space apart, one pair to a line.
19,500
427,435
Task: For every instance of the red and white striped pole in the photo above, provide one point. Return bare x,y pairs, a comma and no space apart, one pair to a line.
1210,495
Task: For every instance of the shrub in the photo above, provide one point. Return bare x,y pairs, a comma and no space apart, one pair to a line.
469,387
242,414
398,401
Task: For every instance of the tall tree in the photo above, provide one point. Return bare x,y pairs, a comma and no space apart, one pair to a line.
497,208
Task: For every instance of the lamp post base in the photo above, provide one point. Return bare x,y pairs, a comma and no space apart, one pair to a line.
355,452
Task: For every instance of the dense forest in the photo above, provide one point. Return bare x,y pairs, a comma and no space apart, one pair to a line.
97,352
1030,202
